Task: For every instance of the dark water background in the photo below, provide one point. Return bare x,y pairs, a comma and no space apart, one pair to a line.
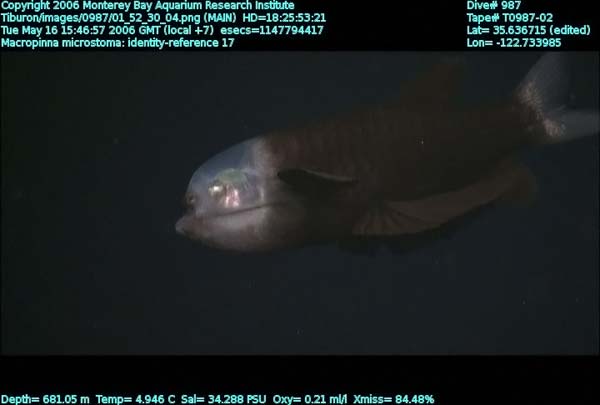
97,150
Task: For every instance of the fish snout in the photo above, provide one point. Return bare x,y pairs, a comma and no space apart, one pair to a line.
181,226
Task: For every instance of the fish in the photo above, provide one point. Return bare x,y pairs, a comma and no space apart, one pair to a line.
406,167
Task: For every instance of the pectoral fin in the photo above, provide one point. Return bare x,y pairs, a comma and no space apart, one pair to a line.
406,217
310,181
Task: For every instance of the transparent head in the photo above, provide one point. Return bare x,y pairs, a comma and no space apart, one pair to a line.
226,183
235,201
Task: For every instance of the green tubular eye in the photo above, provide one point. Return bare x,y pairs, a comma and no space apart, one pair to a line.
232,189
232,176
226,180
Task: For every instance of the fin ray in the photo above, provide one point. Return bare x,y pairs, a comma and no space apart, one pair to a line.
509,181
544,90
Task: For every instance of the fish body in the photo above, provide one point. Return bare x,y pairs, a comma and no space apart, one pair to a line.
403,168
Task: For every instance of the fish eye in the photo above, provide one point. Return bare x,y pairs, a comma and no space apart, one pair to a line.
189,200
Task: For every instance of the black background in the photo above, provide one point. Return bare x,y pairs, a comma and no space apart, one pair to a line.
97,150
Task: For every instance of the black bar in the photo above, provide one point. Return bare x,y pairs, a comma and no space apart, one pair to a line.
451,380
378,25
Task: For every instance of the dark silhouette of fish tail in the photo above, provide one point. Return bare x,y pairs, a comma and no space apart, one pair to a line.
545,90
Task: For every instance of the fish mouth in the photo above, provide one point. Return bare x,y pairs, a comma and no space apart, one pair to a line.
183,224
234,213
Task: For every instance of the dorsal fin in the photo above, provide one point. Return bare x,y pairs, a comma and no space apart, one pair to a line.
440,83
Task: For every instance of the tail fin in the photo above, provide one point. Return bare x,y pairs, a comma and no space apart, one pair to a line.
545,91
